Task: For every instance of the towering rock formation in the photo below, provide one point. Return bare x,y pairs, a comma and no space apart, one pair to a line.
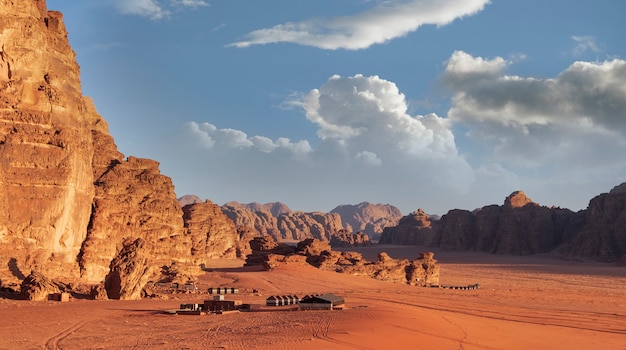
603,238
71,206
370,219
46,147
416,228
518,227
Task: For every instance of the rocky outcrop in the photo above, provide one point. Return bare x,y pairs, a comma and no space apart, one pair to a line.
518,227
603,237
416,228
130,270
37,287
345,238
269,254
213,235
133,200
423,271
371,219
286,225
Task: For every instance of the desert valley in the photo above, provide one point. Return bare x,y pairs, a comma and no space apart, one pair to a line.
524,303
81,220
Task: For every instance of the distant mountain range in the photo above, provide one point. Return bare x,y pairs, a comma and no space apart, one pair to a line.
517,227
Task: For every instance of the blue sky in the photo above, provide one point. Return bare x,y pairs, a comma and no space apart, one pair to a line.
433,104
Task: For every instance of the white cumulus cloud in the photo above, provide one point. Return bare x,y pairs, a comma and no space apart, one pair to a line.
385,21
369,148
572,125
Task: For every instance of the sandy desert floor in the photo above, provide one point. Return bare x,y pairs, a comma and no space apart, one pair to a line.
534,302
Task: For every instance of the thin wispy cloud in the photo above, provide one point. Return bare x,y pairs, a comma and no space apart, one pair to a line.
386,21
585,43
156,9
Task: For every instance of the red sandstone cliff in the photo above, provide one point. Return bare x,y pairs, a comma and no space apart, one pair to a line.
46,146
71,206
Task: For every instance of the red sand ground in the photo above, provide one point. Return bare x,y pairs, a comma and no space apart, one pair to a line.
524,303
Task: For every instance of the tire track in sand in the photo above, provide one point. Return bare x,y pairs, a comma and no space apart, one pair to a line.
53,342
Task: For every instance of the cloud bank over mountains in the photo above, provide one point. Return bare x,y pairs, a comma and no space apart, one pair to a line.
574,122
572,126
386,21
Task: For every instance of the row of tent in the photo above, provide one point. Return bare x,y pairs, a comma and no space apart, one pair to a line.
223,290
308,302
281,300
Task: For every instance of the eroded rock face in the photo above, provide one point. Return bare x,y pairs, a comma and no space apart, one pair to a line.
423,271
269,254
371,219
416,228
345,238
518,227
603,237
46,148
277,221
133,200
130,270
213,234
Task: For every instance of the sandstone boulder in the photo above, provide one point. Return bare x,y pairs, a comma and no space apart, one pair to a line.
130,270
37,287
423,271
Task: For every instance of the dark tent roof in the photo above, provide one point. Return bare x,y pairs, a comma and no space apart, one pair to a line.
327,298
